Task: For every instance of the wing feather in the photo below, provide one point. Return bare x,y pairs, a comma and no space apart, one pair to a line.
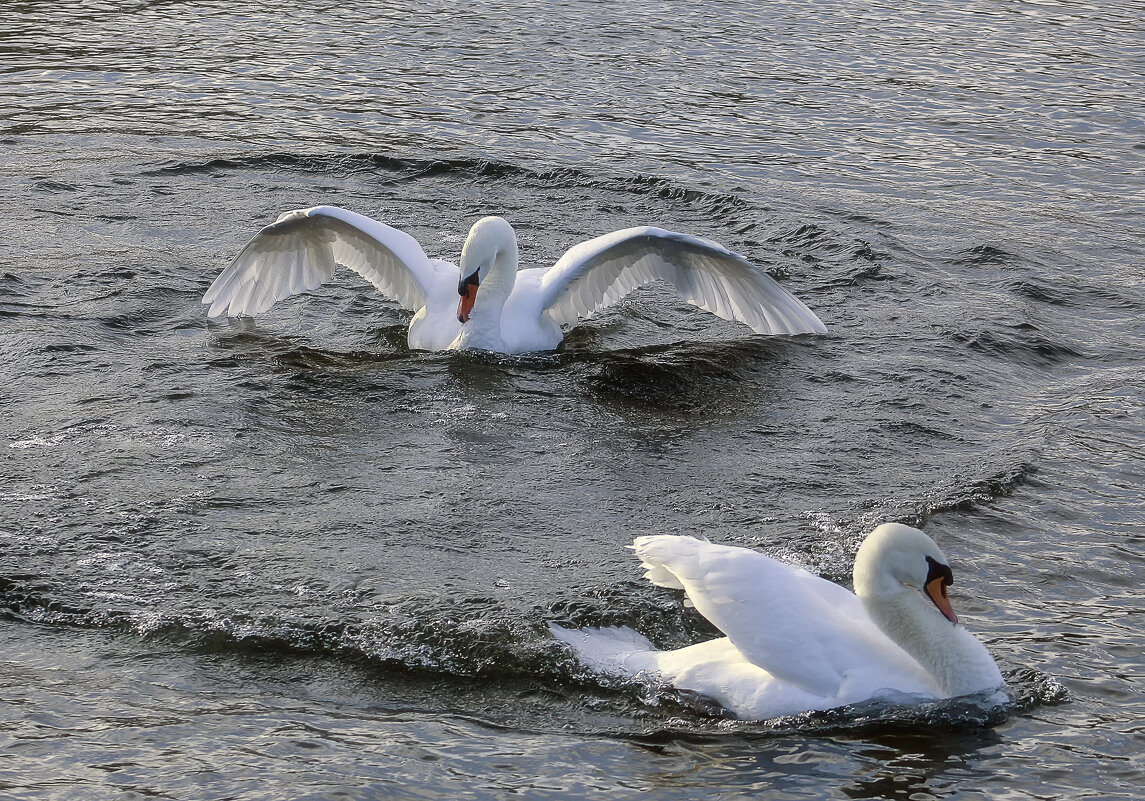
601,271
298,252
798,627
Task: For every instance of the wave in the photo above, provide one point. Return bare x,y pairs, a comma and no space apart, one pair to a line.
398,169
509,655
754,227
986,254
1023,344
965,494
687,377
781,241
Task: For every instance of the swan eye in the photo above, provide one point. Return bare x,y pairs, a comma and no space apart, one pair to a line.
466,282
939,571
938,578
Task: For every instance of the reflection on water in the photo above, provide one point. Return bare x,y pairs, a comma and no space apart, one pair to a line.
922,765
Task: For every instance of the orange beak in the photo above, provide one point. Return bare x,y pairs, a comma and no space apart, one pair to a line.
936,591
468,291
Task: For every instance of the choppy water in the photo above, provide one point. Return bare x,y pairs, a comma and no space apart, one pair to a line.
289,558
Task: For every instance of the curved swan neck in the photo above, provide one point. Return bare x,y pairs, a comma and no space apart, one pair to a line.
956,660
491,252
497,283
890,571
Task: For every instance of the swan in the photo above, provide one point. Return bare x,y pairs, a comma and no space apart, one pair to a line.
486,304
796,642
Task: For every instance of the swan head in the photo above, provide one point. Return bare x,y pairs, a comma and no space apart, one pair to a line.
894,557
491,243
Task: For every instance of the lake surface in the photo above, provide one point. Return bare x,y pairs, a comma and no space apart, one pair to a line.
289,558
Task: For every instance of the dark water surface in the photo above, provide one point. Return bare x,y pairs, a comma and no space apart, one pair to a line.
289,558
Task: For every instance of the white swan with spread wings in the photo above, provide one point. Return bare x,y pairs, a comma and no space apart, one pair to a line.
486,303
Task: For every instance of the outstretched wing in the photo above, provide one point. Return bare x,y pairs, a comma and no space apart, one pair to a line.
798,627
601,271
298,253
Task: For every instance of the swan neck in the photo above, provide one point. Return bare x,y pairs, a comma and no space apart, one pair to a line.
498,284
482,331
958,663
496,244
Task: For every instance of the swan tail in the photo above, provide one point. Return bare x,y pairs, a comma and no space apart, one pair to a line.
605,650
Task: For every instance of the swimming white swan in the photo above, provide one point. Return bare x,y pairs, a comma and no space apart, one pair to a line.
796,642
486,304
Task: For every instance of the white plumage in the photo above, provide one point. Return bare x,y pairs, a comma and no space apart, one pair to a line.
795,642
507,310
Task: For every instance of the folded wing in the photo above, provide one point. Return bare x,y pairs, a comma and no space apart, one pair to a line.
800,628
298,253
601,271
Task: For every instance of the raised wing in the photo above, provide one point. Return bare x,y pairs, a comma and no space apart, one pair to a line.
298,252
800,628
601,271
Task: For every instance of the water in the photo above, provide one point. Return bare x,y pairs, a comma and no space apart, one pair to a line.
290,558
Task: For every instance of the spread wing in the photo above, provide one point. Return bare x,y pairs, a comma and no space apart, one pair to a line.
601,271
800,628
298,252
